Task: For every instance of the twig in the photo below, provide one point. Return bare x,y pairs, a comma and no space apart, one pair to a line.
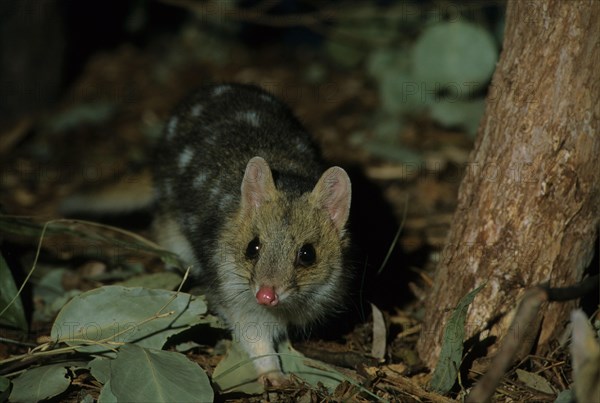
515,336
19,343
521,332
33,266
395,241
406,385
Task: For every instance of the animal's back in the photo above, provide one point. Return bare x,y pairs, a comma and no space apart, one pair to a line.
206,145
242,196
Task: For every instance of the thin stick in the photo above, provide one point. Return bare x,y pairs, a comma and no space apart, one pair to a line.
395,241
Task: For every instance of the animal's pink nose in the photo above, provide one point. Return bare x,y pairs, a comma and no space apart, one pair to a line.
267,296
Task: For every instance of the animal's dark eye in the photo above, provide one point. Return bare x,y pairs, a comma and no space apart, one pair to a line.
253,248
306,255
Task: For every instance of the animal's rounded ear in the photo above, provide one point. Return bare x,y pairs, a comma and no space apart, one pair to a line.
333,193
257,185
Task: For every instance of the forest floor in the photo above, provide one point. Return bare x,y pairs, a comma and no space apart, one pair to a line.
107,126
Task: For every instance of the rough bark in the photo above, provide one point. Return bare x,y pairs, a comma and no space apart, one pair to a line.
528,208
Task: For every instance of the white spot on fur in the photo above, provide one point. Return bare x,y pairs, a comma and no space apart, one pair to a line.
220,90
168,188
266,97
172,127
196,110
226,201
300,146
170,237
214,192
185,158
199,180
191,221
211,140
249,117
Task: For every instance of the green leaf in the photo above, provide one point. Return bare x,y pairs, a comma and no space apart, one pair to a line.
4,384
358,22
446,370
114,315
50,292
100,369
311,371
166,280
140,374
388,60
393,152
50,286
401,93
534,381
388,129
84,114
11,311
459,57
4,388
106,395
40,383
566,396
103,235
343,53
88,398
465,114
236,373
186,346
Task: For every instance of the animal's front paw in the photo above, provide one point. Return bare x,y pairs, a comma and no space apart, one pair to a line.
275,379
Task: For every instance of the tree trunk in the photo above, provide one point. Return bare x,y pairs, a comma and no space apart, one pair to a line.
528,206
